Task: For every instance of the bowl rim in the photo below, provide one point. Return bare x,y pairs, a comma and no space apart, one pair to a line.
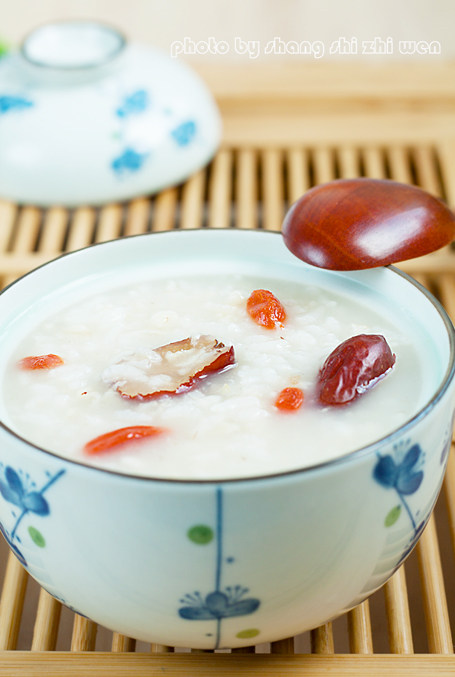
350,456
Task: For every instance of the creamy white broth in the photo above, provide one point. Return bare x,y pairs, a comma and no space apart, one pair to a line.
228,425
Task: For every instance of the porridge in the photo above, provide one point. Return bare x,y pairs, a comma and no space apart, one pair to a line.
254,412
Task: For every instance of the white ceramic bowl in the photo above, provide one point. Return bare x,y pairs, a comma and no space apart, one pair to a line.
223,563
88,118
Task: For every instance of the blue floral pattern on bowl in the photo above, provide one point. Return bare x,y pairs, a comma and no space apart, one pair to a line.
17,488
222,602
404,476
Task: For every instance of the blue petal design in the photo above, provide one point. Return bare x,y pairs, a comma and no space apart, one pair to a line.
129,161
35,502
219,605
216,603
13,490
194,613
137,102
409,483
401,476
9,495
14,481
8,103
246,606
411,458
385,472
184,133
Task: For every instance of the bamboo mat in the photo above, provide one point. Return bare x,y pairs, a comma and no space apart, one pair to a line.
406,627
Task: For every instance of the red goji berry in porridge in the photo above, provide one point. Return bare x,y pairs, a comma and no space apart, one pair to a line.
265,309
177,378
40,362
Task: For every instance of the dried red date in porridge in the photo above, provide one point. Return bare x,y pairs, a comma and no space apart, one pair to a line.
40,362
170,369
265,309
353,367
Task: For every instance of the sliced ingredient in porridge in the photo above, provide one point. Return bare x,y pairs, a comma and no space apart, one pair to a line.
120,437
289,399
265,309
40,362
170,369
353,367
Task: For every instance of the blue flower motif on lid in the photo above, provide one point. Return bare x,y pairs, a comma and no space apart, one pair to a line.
11,103
128,162
134,103
184,133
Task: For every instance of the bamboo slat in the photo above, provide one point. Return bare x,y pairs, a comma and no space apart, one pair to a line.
322,639
12,602
193,202
137,217
283,646
246,189
121,643
398,615
449,492
297,171
433,589
53,232
272,189
324,168
161,648
220,188
46,623
84,634
81,233
446,157
109,223
8,214
25,235
349,162
426,170
374,163
164,211
400,169
359,626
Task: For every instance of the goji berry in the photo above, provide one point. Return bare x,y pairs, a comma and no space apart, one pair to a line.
115,438
40,362
289,399
265,309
